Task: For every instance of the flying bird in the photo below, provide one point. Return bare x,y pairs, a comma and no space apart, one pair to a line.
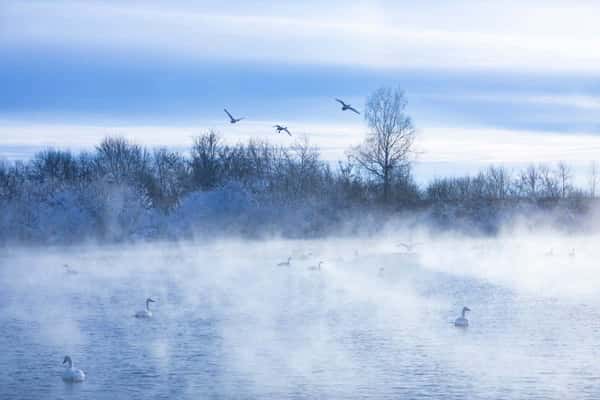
231,119
346,106
282,128
410,247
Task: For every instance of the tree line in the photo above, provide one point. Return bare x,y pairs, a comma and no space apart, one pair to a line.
288,174
376,175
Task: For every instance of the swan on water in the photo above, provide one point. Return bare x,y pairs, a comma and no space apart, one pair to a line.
145,313
462,321
72,374
317,268
285,263
69,270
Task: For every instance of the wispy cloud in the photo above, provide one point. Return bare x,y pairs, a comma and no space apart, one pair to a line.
160,73
576,101
467,34
486,145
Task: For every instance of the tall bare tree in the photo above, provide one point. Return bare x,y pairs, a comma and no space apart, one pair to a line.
594,176
121,161
530,182
564,176
388,144
205,162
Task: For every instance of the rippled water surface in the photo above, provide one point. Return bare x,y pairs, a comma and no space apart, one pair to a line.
229,323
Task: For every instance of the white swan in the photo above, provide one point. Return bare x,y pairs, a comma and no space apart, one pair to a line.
145,313
72,374
69,270
317,268
282,128
232,120
285,263
462,321
346,106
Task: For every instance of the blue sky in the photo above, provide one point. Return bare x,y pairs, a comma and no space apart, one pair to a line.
509,83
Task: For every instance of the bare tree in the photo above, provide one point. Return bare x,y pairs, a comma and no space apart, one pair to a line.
10,180
564,176
389,142
497,183
205,163
529,182
594,176
121,161
550,187
166,185
54,165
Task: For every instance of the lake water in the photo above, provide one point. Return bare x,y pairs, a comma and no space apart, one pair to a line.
229,323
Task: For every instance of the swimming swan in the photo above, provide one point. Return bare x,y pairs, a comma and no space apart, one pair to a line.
462,321
145,313
285,263
317,268
69,270
72,374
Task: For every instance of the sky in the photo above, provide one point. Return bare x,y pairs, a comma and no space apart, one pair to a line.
512,82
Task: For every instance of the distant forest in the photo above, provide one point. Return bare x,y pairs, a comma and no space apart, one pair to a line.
122,191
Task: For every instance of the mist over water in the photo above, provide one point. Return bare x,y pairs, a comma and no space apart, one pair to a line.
376,321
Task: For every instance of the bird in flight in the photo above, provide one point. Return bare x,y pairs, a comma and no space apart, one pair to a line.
282,128
410,247
346,106
231,119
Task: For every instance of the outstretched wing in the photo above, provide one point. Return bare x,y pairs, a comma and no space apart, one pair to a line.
288,132
406,246
353,109
228,114
341,102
